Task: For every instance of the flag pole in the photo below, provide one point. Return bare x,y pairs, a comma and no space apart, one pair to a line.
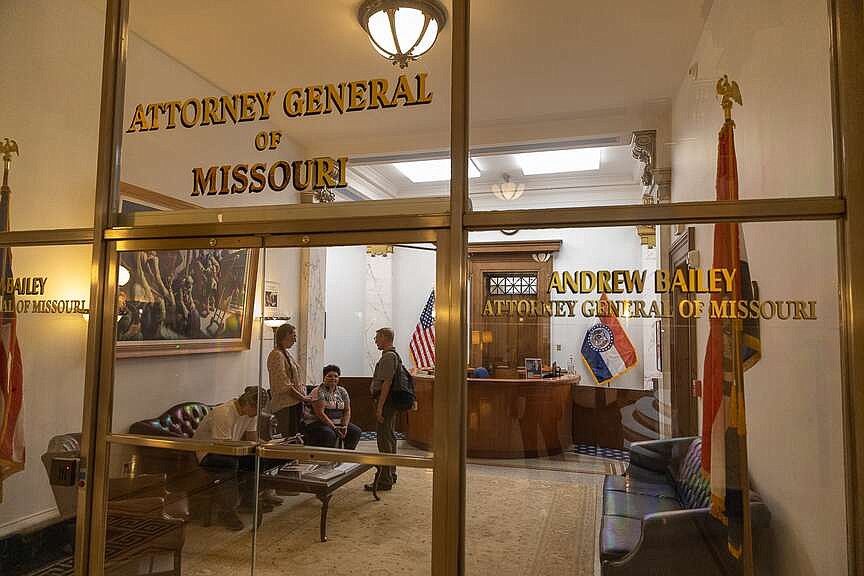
747,544
729,93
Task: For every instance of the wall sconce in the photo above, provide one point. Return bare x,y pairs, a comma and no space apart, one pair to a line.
481,338
402,30
508,190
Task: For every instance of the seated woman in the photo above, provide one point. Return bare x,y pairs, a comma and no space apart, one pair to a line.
329,416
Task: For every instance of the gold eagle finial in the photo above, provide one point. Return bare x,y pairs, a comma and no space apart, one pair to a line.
7,147
728,93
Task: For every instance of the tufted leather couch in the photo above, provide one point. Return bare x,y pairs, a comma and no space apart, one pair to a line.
185,479
656,519
179,421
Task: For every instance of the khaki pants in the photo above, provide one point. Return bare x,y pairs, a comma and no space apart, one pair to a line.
386,433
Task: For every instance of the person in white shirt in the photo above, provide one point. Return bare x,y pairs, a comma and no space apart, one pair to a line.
232,421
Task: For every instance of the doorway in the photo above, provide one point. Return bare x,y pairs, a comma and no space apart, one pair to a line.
501,275
169,370
683,346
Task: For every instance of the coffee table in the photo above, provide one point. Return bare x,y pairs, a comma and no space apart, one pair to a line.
322,489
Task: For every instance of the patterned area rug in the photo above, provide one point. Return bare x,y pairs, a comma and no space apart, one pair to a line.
597,451
516,526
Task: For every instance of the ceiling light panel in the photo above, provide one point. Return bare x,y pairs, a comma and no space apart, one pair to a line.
431,170
557,161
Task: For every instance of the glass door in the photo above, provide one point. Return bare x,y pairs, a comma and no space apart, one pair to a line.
182,380
246,428
350,314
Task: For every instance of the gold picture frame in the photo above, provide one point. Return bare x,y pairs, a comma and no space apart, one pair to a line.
182,301
187,301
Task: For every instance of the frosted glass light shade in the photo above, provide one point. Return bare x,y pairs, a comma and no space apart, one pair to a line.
402,30
508,190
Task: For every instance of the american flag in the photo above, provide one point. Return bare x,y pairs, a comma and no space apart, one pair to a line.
11,370
422,345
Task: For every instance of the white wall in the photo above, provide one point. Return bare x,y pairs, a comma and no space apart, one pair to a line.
51,57
163,160
344,341
778,52
413,278
613,248
52,110
53,348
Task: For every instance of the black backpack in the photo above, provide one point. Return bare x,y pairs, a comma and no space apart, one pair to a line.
402,396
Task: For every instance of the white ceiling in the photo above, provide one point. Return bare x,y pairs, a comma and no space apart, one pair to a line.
533,64
616,181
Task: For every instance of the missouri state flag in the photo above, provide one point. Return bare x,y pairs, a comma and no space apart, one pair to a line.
724,430
606,349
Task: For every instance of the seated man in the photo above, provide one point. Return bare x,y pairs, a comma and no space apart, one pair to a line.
328,416
234,420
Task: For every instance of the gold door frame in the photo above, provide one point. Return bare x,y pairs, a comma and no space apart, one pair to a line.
846,207
104,438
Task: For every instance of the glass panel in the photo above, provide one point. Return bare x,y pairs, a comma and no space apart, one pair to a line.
640,347
602,123
269,119
328,501
356,304
187,369
43,339
344,307
48,50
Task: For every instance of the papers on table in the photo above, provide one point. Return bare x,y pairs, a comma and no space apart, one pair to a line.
320,471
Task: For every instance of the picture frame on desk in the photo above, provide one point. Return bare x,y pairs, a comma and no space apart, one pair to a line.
533,368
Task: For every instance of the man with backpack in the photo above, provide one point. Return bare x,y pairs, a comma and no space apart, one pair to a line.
392,391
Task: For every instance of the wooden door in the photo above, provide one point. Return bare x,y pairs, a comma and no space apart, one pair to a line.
682,353
509,272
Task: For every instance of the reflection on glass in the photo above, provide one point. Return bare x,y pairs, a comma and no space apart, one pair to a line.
632,441
179,511
43,291
327,502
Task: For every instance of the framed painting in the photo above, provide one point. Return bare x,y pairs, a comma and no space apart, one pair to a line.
187,301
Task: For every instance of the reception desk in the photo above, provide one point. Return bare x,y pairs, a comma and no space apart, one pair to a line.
507,418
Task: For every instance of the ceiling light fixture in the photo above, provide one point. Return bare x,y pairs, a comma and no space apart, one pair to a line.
402,30
555,161
508,190
432,170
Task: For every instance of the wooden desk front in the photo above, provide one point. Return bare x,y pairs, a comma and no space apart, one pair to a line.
506,418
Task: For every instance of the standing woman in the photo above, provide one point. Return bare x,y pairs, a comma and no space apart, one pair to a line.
287,385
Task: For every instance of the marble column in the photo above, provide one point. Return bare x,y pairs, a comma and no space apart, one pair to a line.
379,302
310,333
